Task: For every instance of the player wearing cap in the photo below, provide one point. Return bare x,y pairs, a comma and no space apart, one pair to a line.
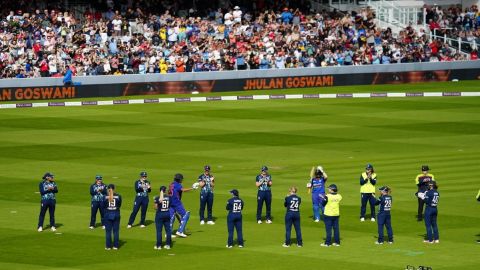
98,190
142,188
292,217
207,182
368,179
264,194
422,181
317,187
112,204
234,219
162,218
431,198
175,191
47,188
384,218
331,202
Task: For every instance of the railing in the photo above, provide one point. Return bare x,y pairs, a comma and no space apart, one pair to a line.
387,12
459,44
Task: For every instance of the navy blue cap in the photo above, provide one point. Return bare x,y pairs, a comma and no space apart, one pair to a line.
143,174
163,188
425,168
369,167
47,174
384,188
264,168
98,177
206,167
111,186
333,187
234,192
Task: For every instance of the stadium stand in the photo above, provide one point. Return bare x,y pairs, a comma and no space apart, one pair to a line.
122,37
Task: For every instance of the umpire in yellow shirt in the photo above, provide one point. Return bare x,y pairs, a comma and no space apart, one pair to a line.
368,179
331,202
422,181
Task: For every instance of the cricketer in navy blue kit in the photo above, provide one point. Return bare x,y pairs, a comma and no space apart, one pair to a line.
98,190
47,188
317,187
368,180
112,204
142,188
264,185
422,180
162,218
207,182
431,198
292,217
175,191
384,217
234,219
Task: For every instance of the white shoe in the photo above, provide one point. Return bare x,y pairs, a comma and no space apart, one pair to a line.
335,245
372,219
259,221
181,234
166,247
362,219
378,243
142,226
103,227
129,226
269,221
107,248
324,245
202,222
91,227
299,245
229,246
53,228
316,220
240,246
436,241
210,222
155,247
285,245
115,248
40,229
390,242
428,242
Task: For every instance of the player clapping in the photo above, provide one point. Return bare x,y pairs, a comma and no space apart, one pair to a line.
48,189
292,204
431,199
422,180
112,204
98,190
368,179
142,188
234,218
331,202
264,194
162,218
384,218
207,182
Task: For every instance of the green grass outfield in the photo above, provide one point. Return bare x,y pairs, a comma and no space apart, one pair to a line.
236,138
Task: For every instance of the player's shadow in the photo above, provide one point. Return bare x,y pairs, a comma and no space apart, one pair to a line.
149,222
235,242
121,243
58,225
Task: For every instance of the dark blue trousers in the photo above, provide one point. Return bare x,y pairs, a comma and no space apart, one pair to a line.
234,221
331,222
318,207
293,219
139,202
50,205
367,197
206,199
264,196
431,223
96,206
162,220
384,219
112,224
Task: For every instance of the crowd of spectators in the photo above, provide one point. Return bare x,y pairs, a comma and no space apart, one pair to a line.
129,38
